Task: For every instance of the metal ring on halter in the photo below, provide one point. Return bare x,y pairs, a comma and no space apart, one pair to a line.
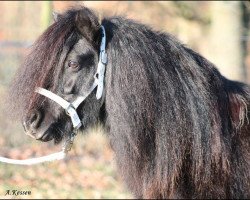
67,109
69,142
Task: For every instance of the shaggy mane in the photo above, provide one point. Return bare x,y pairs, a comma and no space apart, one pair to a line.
173,117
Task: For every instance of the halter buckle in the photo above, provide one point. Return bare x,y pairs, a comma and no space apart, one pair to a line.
68,108
104,57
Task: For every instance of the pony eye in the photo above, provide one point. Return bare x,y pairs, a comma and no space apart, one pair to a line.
73,64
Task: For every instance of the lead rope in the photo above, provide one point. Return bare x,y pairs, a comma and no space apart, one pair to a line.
70,109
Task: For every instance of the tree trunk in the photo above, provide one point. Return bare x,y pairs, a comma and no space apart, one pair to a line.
46,14
226,49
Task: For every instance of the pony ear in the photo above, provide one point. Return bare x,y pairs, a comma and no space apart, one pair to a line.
56,16
87,24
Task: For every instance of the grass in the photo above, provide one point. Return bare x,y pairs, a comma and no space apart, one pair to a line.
88,172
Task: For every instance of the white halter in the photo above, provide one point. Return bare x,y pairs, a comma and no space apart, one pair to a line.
70,108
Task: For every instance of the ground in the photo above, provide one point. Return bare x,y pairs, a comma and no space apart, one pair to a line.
88,172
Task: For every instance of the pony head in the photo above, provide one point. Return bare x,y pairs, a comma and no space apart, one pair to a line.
64,60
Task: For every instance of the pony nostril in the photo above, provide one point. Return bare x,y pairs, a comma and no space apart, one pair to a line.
35,119
25,126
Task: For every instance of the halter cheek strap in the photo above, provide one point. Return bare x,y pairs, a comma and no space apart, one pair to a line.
103,59
70,109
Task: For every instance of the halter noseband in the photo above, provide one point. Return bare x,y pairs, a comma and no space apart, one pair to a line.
70,108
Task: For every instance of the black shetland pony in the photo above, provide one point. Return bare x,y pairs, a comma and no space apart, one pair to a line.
179,129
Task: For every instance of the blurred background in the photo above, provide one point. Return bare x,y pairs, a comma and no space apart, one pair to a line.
219,30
